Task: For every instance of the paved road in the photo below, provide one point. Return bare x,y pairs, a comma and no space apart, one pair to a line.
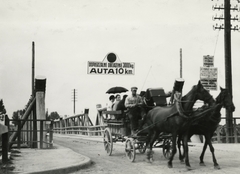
228,159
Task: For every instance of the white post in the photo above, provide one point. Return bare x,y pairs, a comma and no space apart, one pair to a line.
40,84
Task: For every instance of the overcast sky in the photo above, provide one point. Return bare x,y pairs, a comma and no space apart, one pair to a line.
69,33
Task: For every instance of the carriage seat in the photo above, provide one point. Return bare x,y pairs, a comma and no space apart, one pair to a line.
156,96
119,114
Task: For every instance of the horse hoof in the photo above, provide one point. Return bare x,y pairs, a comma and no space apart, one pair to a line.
217,167
170,166
182,162
202,164
151,160
188,167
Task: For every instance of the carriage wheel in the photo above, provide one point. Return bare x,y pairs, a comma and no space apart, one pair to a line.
167,148
130,149
142,147
107,141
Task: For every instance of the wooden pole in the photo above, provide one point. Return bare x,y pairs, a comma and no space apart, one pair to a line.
40,110
180,62
228,64
34,123
33,66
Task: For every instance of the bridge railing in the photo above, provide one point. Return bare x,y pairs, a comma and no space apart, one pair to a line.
82,130
72,126
222,133
78,124
24,133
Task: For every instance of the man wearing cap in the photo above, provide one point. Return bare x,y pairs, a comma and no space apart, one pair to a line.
135,113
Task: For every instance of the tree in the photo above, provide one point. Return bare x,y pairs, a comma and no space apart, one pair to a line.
17,115
54,115
2,108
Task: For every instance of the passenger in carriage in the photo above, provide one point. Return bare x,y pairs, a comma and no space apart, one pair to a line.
120,106
135,112
110,105
118,99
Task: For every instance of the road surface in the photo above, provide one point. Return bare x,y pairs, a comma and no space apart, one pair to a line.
229,160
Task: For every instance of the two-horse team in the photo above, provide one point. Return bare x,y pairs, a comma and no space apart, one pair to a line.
181,121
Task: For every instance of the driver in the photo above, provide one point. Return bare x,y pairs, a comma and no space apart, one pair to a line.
135,112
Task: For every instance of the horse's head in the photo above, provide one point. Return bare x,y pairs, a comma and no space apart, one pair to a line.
198,92
225,99
203,94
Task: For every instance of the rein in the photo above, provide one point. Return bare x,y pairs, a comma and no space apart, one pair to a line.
179,109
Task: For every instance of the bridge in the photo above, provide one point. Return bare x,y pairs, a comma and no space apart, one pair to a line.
34,130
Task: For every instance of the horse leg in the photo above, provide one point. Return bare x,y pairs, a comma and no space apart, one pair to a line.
203,152
148,143
216,166
185,142
174,139
181,157
154,137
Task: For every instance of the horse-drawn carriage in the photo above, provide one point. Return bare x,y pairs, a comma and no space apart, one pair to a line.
178,120
118,130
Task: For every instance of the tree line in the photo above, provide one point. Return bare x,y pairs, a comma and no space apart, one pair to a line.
19,113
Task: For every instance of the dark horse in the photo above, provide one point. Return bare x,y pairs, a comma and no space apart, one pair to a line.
168,120
208,125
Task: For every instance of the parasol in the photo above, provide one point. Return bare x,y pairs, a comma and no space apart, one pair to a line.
116,89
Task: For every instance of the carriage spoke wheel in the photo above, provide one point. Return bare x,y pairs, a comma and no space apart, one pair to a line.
130,149
107,141
142,147
167,148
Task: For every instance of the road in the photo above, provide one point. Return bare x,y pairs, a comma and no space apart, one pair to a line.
229,160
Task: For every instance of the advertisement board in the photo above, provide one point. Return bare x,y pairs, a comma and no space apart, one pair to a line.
208,61
208,77
111,65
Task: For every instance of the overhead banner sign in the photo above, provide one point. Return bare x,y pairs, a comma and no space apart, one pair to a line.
111,65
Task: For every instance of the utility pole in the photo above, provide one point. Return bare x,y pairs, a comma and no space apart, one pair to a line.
34,112
74,100
33,67
180,62
227,50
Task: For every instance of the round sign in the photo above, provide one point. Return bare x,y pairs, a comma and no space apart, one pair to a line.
111,57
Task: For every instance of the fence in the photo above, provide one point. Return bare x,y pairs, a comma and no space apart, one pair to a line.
82,130
78,124
25,133
222,133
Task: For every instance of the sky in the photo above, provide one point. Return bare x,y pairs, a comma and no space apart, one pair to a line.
69,33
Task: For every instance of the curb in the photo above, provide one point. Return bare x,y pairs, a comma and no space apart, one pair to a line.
75,161
73,168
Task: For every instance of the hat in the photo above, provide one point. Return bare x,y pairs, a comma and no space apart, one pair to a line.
134,88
